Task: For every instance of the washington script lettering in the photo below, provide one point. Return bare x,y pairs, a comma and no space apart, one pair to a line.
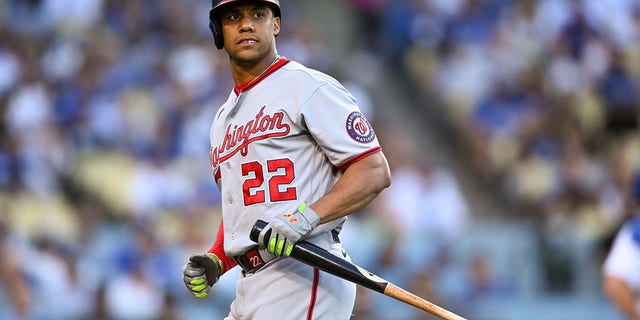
237,138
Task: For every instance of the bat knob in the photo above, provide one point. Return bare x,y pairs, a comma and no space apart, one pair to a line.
257,228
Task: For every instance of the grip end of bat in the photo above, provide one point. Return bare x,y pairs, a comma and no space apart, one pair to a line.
257,228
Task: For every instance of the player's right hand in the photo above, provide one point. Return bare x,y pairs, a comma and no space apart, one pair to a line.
283,231
200,273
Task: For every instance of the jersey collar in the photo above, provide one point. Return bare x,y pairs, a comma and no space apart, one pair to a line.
247,86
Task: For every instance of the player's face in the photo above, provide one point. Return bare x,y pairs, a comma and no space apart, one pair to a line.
249,32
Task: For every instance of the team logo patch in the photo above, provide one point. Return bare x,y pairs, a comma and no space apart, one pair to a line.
359,128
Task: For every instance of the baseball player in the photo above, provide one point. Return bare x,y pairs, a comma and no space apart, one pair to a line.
621,271
290,147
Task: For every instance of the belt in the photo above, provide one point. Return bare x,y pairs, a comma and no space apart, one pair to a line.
251,261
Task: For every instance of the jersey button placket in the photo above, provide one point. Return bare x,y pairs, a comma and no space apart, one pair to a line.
227,165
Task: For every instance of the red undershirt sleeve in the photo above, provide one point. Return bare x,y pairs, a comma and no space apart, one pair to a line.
218,249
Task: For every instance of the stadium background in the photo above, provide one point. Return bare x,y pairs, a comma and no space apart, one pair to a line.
510,126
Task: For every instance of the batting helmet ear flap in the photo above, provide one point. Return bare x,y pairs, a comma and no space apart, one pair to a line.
216,30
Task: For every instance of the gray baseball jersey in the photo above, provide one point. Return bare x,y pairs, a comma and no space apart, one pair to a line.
283,138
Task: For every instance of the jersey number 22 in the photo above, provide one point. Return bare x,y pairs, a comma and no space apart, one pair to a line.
252,187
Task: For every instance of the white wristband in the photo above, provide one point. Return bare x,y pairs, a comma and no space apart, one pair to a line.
311,216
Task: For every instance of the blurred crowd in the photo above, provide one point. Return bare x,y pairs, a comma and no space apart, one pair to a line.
105,182
542,100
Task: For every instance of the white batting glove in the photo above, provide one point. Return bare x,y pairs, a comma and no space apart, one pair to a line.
200,273
283,231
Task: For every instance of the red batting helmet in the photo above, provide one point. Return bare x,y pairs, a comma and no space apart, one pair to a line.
214,19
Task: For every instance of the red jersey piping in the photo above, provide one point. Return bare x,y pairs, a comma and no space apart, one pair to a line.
247,86
359,157
314,293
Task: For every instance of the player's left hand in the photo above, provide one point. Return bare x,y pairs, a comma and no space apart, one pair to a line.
279,235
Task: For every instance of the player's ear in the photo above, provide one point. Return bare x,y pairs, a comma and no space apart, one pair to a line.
276,26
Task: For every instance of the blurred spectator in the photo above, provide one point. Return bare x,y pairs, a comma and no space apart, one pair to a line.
620,95
131,295
66,289
621,270
483,282
16,299
425,209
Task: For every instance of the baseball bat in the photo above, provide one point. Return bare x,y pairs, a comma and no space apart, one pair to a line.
320,258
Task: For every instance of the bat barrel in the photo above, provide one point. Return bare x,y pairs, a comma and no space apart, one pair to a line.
420,303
